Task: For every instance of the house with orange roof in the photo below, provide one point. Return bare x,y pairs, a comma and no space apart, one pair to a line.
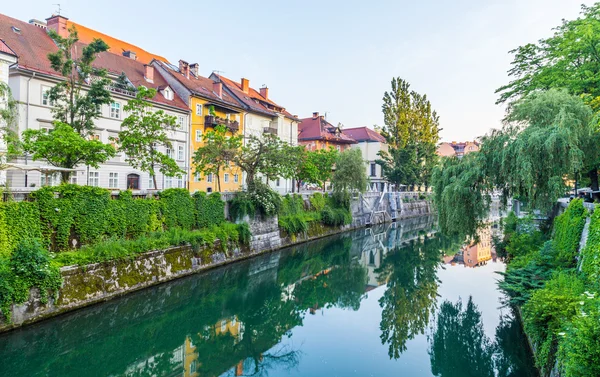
32,76
262,116
317,133
211,105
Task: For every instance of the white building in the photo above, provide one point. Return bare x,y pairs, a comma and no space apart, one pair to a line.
370,144
263,116
7,59
32,77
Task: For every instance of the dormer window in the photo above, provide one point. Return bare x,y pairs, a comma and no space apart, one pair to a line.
168,93
16,30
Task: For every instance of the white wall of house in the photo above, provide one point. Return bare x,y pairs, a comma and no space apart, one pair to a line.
369,151
5,62
36,113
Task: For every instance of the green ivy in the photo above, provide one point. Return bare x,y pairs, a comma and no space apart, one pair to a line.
567,233
210,209
317,201
178,208
19,221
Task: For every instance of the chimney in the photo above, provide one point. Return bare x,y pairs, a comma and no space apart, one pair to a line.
264,91
130,54
194,69
149,72
184,68
245,85
58,23
218,88
315,115
38,23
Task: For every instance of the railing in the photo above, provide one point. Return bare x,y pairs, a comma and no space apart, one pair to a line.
213,121
270,130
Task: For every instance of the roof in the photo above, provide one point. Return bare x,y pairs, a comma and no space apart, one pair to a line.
364,134
319,129
199,86
117,46
253,100
5,49
32,45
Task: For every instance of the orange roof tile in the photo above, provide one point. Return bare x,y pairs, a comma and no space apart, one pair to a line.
117,46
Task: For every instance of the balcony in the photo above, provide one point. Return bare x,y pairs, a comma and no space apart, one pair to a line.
270,130
213,121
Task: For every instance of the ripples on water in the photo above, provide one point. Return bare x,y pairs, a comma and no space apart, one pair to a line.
373,302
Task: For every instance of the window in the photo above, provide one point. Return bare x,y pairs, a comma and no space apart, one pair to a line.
373,169
223,325
180,121
197,177
180,153
168,182
168,93
169,152
193,367
198,109
336,147
198,135
114,141
113,180
115,110
209,178
226,178
236,178
278,182
73,179
233,321
94,178
50,179
46,129
45,96
180,182
94,137
151,183
133,181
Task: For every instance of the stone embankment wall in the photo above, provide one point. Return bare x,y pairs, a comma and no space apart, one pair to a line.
99,282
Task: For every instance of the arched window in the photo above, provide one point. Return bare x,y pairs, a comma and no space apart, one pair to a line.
133,181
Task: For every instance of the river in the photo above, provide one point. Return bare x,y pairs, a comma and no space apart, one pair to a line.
373,302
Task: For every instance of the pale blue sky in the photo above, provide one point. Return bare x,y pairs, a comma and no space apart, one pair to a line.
337,56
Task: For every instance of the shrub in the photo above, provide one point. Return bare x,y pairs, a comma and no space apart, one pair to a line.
266,201
335,216
293,224
317,201
240,206
18,221
292,205
567,233
210,209
177,208
244,233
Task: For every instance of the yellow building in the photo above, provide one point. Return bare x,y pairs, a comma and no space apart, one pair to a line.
210,106
477,254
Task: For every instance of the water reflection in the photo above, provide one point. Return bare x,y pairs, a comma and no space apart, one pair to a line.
241,320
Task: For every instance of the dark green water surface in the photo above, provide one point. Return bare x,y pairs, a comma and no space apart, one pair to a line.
374,302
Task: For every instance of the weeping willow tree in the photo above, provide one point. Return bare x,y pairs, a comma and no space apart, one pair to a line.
543,143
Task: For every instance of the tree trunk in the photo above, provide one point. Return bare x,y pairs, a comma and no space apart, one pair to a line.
64,175
153,180
593,174
218,180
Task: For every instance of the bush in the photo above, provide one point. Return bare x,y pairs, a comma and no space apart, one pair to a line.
266,201
293,224
292,205
317,201
177,208
28,267
240,206
567,233
335,216
18,221
210,209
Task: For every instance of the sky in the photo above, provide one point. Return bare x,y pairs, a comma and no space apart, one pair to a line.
337,57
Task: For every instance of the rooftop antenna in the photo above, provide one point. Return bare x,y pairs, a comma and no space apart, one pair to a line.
59,8
218,72
326,115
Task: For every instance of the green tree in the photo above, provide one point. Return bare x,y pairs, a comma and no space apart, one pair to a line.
143,132
216,153
412,133
65,148
319,165
350,173
293,163
8,126
262,155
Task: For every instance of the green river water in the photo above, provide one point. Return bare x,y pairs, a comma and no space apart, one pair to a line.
372,302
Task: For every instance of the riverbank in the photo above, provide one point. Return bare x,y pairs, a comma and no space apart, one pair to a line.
86,285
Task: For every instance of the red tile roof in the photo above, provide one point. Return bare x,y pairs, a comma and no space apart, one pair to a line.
363,134
253,99
117,46
319,129
200,86
32,45
5,49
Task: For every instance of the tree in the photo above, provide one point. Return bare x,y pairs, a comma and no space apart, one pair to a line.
319,165
350,173
143,132
216,153
9,140
261,155
65,148
412,133
77,100
293,163
568,60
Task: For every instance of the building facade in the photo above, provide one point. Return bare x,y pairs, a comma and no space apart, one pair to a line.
317,133
32,77
370,144
7,59
263,116
458,149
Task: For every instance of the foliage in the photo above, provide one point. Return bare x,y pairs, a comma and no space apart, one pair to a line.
9,116
567,233
266,201
590,262
293,224
412,132
335,216
143,132
547,312
19,221
216,153
318,167
29,266
64,147
177,207
317,201
241,205
292,205
350,174
261,155
293,165
210,209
